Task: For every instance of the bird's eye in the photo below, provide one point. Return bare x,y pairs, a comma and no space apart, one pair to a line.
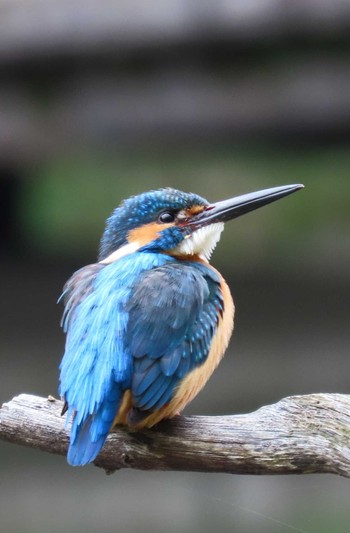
166,217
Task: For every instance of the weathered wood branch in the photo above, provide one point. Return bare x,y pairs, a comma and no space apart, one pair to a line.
299,434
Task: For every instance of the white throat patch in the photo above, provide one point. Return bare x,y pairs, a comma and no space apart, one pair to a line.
127,249
201,242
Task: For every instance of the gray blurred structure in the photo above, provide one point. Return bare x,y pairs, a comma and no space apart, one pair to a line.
40,28
124,72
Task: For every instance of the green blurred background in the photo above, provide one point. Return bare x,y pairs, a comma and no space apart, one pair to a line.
102,100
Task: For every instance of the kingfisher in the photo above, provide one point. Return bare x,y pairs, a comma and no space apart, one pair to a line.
148,323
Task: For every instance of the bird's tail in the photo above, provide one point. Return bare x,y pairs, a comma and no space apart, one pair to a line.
89,435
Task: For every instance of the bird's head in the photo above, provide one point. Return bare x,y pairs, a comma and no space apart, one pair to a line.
179,223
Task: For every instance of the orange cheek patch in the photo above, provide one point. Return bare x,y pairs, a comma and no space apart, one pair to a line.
147,233
194,210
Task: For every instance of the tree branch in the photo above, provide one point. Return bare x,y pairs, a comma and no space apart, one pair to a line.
297,435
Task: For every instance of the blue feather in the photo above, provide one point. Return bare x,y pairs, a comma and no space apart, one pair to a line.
173,315
166,394
97,365
162,385
164,303
142,380
184,367
88,437
169,362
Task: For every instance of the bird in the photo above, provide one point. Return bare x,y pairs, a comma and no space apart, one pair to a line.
148,323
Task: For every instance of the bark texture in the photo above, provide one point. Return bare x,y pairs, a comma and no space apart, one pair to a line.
298,435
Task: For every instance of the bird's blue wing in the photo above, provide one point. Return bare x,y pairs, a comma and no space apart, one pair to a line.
173,315
97,365
78,287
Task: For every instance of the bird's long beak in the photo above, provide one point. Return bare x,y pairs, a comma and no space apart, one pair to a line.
235,207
